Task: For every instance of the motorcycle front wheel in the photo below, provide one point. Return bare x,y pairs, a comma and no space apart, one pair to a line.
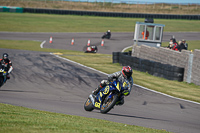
88,105
108,104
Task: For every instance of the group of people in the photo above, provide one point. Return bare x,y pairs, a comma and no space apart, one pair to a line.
177,46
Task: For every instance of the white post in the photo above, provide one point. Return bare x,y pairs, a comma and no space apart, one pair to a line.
189,71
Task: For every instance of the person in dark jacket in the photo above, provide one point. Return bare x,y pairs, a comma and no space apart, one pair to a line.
181,46
185,44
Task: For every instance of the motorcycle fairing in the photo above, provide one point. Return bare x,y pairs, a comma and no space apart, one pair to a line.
115,86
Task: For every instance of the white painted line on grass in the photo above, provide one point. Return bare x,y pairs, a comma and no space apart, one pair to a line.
126,48
41,45
134,84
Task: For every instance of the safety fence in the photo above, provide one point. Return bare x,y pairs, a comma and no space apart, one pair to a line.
94,13
158,69
111,14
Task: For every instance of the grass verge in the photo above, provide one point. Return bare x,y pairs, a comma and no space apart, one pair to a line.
26,22
19,119
107,6
103,62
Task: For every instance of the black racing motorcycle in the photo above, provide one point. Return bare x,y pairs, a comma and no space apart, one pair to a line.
3,74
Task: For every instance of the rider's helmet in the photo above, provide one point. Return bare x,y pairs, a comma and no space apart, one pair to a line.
127,71
5,56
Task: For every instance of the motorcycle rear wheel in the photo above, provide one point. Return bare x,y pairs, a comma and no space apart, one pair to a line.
108,104
88,105
1,81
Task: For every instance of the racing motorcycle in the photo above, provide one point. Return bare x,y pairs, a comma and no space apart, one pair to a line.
2,75
91,49
108,97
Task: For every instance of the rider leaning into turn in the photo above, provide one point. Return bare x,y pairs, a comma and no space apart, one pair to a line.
7,64
124,74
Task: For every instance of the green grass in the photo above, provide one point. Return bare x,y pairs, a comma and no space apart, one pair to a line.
103,62
27,22
19,119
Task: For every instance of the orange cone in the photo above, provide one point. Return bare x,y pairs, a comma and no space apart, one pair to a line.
72,42
50,40
102,43
88,42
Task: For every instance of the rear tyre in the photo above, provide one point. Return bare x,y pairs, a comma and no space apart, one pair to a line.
1,81
108,104
88,106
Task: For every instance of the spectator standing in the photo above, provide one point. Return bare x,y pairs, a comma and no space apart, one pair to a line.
173,44
185,44
182,45
170,46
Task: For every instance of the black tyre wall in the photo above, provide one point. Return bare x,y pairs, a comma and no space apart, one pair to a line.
158,69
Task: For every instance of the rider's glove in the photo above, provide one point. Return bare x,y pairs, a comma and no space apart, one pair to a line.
125,92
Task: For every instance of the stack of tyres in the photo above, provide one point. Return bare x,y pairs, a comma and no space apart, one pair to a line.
151,67
116,57
178,73
168,72
122,58
157,67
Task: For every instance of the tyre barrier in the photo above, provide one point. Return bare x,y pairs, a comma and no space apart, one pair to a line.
158,69
115,57
111,14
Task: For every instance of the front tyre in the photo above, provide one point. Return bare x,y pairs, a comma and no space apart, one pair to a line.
108,104
88,106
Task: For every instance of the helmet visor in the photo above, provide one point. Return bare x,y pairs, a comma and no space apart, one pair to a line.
128,74
5,57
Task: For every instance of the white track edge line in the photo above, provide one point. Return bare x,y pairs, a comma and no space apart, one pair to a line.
41,45
134,84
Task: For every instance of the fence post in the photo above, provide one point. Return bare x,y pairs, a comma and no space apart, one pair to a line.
189,71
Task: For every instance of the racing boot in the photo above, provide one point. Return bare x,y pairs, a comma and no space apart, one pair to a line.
121,102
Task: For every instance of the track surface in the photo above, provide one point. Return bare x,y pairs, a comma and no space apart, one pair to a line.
45,82
117,42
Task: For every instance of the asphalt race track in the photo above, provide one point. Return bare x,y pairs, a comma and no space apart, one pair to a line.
117,42
45,82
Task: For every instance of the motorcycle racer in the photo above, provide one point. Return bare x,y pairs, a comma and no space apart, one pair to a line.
7,64
124,74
